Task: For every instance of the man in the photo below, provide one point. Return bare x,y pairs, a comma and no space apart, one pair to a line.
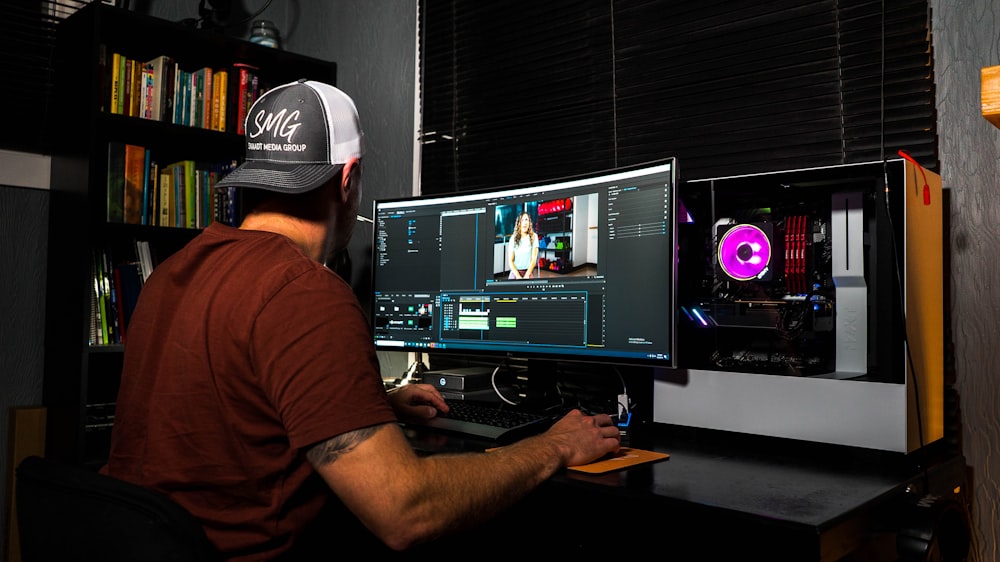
251,388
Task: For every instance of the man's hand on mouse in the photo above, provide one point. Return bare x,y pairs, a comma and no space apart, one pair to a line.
585,438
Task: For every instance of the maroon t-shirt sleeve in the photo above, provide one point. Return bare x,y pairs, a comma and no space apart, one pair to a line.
319,369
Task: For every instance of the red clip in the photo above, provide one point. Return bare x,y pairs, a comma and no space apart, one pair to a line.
927,195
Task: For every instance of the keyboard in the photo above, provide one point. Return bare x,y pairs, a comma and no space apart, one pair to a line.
493,422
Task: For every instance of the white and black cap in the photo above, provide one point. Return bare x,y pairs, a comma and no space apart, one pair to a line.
298,136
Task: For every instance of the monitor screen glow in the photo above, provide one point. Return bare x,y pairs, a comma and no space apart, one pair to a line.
600,288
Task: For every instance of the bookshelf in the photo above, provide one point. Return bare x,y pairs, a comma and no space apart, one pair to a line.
81,372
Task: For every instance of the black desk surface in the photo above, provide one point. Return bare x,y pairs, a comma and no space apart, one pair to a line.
729,495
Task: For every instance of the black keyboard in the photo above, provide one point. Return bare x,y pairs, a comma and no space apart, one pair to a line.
494,422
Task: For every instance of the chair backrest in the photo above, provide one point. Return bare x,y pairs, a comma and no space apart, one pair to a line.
68,512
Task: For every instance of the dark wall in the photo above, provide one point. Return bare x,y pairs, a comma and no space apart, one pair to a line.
23,246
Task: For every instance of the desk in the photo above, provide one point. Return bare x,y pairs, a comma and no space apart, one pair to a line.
721,499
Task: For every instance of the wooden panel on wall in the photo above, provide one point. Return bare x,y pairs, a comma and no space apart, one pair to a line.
27,437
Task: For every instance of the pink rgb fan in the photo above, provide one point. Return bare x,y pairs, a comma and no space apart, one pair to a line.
744,252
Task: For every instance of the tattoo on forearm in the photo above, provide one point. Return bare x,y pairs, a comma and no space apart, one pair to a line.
330,450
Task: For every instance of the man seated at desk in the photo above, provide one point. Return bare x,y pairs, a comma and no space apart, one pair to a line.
251,392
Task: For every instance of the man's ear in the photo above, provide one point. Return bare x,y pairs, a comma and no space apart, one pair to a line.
350,167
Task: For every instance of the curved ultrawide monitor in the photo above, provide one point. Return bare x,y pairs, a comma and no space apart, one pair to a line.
579,269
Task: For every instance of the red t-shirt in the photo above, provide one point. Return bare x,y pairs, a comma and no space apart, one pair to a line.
241,353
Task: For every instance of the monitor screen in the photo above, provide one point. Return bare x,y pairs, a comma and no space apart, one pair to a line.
577,269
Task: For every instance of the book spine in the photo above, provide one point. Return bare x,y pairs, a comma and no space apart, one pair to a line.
136,94
152,200
208,183
166,188
148,181
191,195
197,98
213,121
242,96
116,182
178,117
104,77
111,305
116,85
167,91
95,307
135,165
178,203
120,302
145,260
122,85
149,100
206,99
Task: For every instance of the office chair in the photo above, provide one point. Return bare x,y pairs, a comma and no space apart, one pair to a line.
68,512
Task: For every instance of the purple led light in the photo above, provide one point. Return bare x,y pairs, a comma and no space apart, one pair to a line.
744,252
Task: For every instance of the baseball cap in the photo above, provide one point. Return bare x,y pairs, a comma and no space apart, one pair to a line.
298,136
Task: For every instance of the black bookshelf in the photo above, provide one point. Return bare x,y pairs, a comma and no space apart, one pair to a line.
81,379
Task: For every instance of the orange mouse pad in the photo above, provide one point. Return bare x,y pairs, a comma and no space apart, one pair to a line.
624,458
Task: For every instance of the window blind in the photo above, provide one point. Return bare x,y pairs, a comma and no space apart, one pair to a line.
26,65
519,91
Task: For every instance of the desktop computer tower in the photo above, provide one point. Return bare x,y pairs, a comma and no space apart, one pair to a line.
810,306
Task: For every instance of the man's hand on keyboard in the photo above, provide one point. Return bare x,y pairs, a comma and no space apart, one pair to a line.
416,401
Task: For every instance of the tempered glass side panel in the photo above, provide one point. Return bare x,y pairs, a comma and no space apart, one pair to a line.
791,274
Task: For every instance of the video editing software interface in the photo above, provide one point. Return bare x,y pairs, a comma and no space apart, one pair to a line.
602,287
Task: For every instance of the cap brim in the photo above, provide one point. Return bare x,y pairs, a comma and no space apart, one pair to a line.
284,178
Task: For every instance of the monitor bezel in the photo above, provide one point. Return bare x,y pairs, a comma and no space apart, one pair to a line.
493,353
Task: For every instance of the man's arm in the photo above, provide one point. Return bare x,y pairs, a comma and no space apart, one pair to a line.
406,499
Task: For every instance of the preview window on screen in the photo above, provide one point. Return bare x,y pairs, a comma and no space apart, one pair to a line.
575,269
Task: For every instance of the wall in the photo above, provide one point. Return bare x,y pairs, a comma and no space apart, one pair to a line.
966,34
24,209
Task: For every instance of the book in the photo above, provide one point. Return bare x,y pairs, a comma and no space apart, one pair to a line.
152,198
146,91
169,83
242,82
116,182
122,86
206,98
130,280
102,298
178,191
166,189
145,259
191,196
208,187
136,92
178,117
117,297
148,185
116,83
104,77
111,301
219,99
135,172
202,97
161,87
95,307
125,104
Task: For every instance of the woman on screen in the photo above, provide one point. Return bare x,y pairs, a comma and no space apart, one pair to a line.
522,251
